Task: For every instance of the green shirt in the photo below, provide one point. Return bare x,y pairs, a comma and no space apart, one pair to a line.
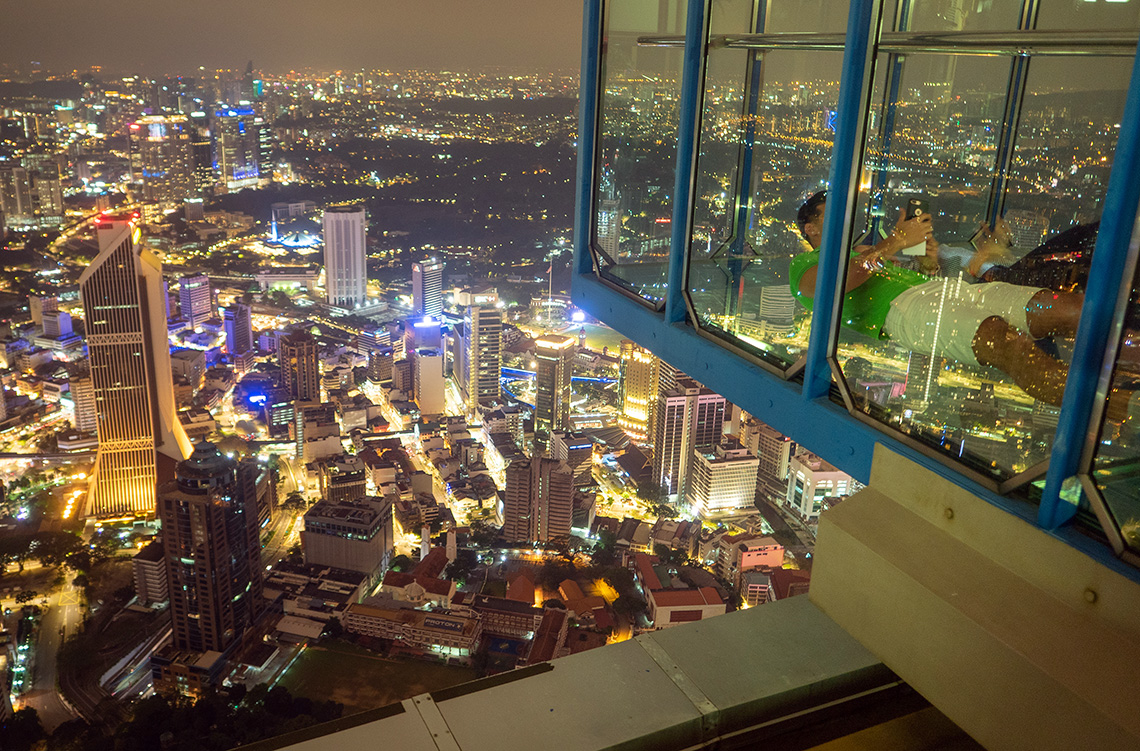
865,308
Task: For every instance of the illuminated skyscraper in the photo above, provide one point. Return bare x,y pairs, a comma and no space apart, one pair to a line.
639,374
196,299
125,319
538,501
300,368
211,539
483,331
161,157
346,274
427,287
236,148
552,387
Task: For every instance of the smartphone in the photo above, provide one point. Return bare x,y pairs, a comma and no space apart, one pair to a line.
916,206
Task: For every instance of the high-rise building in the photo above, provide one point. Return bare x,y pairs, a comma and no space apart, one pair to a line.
125,319
552,387
430,385
238,322
380,365
774,450
351,535
722,479
576,451
689,418
810,481
211,538
31,196
483,355
427,287
82,391
236,148
346,274
300,367
538,501
638,383
161,157
196,299
203,177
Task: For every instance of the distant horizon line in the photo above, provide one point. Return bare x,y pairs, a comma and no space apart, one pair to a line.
8,70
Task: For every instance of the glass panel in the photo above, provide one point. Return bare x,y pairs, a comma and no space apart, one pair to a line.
637,145
1116,465
973,369
962,15
772,122
1079,15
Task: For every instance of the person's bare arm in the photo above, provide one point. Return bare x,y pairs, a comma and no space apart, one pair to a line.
869,258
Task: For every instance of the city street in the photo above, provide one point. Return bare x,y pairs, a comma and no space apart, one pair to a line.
60,618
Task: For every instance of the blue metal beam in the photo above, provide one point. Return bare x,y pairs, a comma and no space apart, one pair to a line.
1107,272
587,134
688,133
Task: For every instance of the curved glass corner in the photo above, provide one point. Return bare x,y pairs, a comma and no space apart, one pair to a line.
642,55
1115,470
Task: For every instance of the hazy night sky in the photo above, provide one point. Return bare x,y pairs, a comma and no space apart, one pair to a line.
155,37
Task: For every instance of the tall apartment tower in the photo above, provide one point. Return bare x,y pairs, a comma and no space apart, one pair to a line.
346,274
238,322
639,374
427,287
300,366
140,436
161,157
689,418
483,330
213,549
552,387
538,501
196,299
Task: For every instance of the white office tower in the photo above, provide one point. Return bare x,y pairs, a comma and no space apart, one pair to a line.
722,479
346,274
689,417
195,298
538,501
430,385
483,332
427,287
123,311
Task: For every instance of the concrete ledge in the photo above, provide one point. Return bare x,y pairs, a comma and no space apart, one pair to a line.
1018,638
681,688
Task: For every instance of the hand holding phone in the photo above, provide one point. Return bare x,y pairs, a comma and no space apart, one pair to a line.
915,207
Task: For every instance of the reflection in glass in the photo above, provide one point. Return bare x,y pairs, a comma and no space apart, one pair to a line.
637,145
973,369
